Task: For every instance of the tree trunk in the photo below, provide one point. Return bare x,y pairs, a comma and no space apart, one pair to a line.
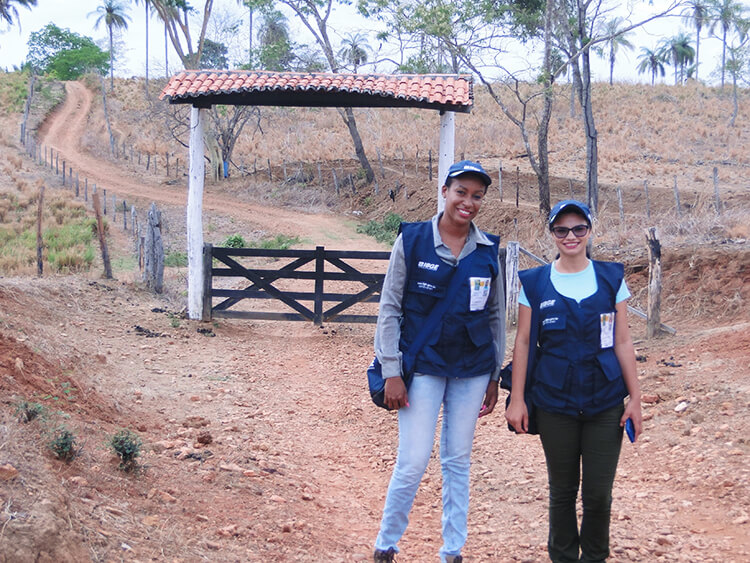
359,149
146,6
592,156
111,62
543,129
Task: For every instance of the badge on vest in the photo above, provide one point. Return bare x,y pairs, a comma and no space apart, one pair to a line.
480,292
607,329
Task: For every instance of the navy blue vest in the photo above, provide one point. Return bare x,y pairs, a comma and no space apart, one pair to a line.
462,346
572,373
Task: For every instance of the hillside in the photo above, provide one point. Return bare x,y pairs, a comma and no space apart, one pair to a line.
259,440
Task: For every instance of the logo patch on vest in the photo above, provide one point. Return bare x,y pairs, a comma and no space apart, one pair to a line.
428,266
425,286
548,303
550,321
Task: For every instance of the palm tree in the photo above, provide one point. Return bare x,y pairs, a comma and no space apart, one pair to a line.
651,61
8,11
275,44
726,14
697,14
112,13
615,41
354,49
146,4
680,51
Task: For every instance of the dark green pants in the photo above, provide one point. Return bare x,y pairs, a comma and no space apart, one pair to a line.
572,443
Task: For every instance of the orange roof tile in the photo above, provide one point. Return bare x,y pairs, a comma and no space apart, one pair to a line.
439,91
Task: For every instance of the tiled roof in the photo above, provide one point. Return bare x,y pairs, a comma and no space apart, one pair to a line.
438,91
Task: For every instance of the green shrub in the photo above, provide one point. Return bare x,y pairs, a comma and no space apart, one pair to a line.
127,446
27,411
279,242
234,241
63,444
384,232
176,259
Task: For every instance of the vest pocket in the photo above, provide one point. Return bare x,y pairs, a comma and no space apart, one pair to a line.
552,371
609,364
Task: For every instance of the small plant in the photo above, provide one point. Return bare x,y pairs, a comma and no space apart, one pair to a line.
386,231
174,320
27,411
279,242
234,241
127,446
178,259
63,444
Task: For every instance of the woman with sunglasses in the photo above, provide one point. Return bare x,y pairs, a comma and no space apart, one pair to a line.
573,340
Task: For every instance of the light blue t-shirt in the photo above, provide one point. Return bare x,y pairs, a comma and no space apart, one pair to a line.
578,286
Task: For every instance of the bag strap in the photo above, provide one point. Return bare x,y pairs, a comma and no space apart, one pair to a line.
436,314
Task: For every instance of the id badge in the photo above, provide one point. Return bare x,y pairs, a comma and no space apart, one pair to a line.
607,330
480,291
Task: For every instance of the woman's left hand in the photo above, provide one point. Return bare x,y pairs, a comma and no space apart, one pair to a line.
633,412
490,399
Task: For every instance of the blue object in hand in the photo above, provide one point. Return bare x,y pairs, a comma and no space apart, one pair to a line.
630,430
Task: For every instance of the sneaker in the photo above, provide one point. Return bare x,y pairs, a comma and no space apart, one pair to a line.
385,556
454,559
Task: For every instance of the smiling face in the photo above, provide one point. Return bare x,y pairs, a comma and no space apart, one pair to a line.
571,246
463,198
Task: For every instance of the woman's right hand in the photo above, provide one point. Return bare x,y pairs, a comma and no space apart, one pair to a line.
517,415
395,393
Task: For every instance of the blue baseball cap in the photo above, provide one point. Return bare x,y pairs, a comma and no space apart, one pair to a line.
468,167
570,204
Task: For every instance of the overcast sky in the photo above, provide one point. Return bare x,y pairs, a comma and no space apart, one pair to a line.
74,15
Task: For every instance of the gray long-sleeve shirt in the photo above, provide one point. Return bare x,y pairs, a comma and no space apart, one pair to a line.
388,330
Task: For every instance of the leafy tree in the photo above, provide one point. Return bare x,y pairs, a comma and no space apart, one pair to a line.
71,64
214,55
176,17
651,61
275,45
697,14
726,15
354,49
47,46
681,53
615,41
112,14
9,12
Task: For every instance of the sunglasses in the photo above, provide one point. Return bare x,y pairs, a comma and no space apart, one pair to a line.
579,231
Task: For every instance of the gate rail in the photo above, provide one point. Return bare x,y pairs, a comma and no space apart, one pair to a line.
262,283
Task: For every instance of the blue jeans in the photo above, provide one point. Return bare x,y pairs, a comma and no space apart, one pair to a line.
461,400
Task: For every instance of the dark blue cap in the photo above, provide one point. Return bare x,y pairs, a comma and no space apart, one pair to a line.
570,204
468,167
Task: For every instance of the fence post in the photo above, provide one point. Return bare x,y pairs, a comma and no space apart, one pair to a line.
320,267
39,238
648,200
166,158
153,262
500,178
429,163
102,240
124,216
104,191
270,174
86,190
78,185
335,180
63,173
511,282
207,282
518,184
619,204
717,201
677,198
654,283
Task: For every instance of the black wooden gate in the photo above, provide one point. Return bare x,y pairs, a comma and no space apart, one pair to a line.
307,265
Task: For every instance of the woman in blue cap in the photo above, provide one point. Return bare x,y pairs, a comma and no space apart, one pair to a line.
458,367
574,343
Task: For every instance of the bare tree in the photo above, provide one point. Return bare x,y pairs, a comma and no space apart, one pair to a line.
176,16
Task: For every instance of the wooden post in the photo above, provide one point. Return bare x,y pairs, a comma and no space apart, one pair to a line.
124,216
39,238
335,181
283,165
78,185
177,167
57,164
114,207
166,158
63,173
207,282
619,204
677,205
416,162
319,279
500,178
717,200
45,157
195,214
139,158
654,283
648,200
148,161
518,184
102,240
153,270
155,157
446,152
134,225
86,190
380,162
429,163
104,197
320,176
270,174
570,188
511,282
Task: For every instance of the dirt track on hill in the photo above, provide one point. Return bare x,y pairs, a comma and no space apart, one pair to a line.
260,443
